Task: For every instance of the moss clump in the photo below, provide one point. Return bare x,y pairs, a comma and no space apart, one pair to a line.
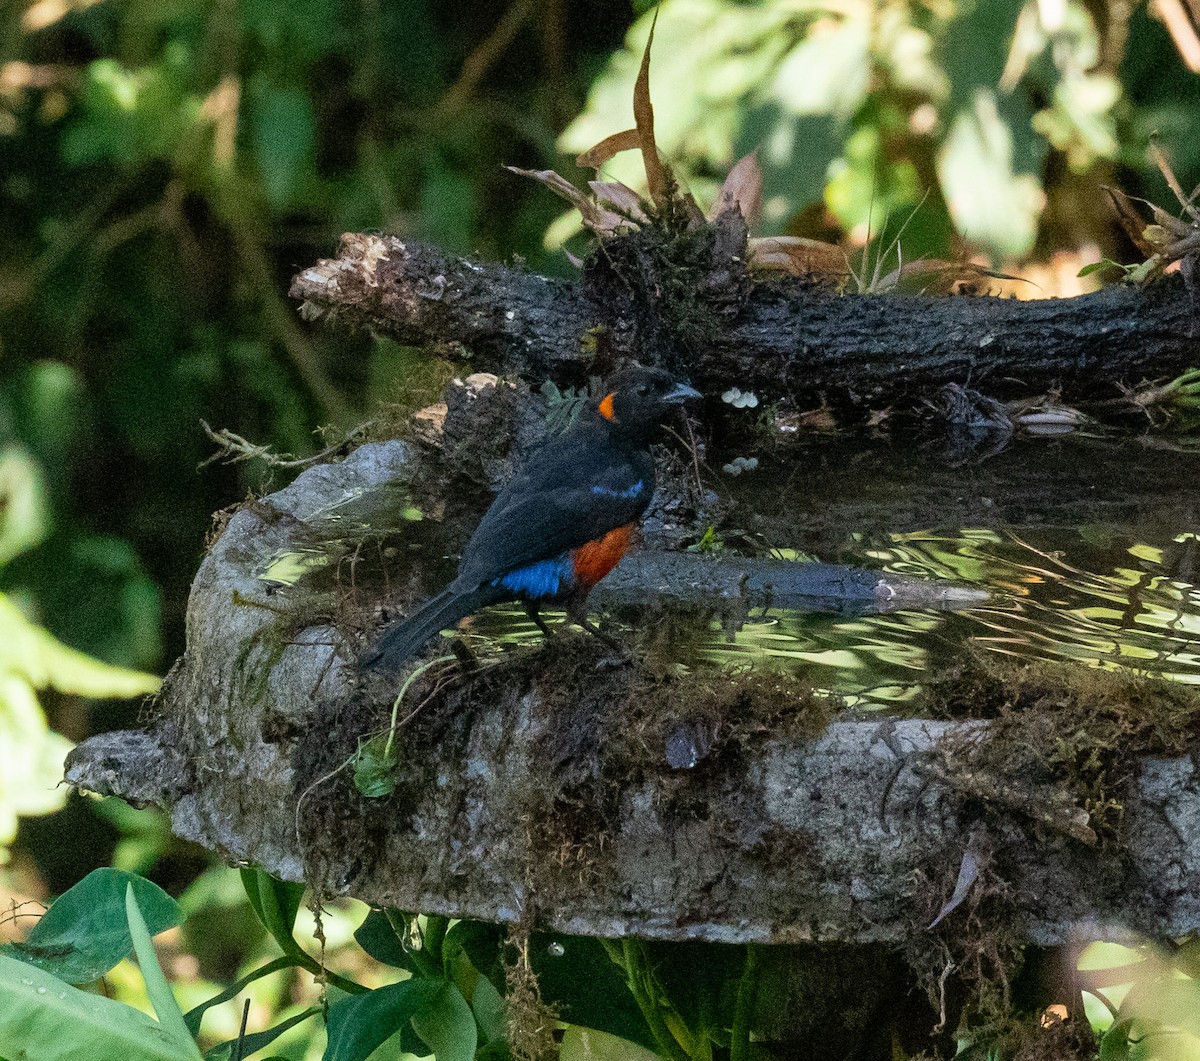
623,727
1053,763
1063,738
664,287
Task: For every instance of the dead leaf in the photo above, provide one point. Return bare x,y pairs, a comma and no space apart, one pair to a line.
742,189
941,276
798,256
1130,220
968,874
595,217
643,116
595,157
621,197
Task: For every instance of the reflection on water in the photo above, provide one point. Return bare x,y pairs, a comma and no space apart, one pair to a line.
1089,595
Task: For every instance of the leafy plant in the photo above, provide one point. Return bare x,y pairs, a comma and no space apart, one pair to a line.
32,660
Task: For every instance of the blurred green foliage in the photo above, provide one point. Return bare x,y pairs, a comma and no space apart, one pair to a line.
998,119
32,660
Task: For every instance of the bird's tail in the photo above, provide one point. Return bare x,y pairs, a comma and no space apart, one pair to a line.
406,638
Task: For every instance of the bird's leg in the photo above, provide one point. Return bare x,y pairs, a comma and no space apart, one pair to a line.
595,631
577,610
531,609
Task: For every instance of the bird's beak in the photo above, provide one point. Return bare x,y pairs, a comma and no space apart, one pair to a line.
680,393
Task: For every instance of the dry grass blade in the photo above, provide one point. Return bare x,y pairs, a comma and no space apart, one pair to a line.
643,116
595,157
556,182
742,189
799,257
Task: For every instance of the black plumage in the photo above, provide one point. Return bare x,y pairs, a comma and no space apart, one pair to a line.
562,522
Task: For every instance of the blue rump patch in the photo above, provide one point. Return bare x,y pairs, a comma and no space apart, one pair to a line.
543,579
628,495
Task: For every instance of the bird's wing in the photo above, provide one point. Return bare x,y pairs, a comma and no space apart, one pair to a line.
530,524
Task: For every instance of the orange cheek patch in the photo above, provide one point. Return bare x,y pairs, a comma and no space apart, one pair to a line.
606,406
596,559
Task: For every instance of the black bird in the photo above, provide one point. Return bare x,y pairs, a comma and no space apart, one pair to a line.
564,521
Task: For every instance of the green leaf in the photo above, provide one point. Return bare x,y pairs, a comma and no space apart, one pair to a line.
170,1017
447,1024
991,200
577,976
1103,263
31,758
480,942
45,662
43,1018
256,1041
587,1044
491,1014
86,931
375,768
194,1016
377,937
360,1024
22,503
1114,1046
276,903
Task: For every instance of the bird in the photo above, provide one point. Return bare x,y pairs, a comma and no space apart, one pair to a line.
562,523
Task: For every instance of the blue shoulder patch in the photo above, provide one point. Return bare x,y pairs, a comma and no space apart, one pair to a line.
628,495
543,579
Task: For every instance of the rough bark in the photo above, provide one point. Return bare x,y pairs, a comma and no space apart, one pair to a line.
505,800
696,308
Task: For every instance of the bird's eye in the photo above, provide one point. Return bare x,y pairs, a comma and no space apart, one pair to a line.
642,390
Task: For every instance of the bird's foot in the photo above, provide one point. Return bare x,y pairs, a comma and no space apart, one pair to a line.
622,658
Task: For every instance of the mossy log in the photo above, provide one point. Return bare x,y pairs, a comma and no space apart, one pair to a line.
690,303
603,800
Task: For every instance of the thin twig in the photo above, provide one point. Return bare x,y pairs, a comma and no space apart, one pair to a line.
1168,173
482,58
282,322
235,449
391,741
691,444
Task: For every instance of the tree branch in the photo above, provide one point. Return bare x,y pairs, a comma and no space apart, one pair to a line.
781,337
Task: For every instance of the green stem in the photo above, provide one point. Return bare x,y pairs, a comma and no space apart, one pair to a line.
639,977
391,738
310,964
435,935
192,1017
743,1013
425,966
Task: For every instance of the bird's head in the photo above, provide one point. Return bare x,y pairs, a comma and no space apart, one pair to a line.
636,401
